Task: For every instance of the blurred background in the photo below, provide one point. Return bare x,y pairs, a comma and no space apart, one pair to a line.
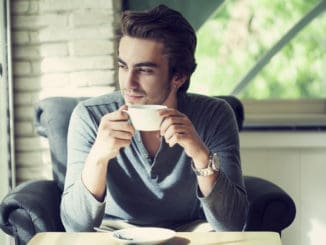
270,54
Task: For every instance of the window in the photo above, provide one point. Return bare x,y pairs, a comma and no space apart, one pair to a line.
290,90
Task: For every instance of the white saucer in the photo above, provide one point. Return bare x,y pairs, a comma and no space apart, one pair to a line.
143,235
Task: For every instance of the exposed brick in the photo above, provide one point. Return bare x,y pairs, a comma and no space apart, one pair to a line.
33,172
53,49
32,22
76,64
33,7
91,47
60,48
89,18
76,92
20,37
36,67
31,158
36,51
24,113
27,84
22,68
59,80
94,91
61,91
19,7
24,7
63,5
24,144
26,98
92,78
24,128
26,52
52,34
34,37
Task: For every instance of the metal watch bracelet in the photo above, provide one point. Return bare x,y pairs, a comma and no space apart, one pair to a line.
213,166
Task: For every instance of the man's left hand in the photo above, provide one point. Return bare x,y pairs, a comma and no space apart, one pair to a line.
178,129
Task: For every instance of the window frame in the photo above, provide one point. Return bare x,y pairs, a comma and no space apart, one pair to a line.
296,114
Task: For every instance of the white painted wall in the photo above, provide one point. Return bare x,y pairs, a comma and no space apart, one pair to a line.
296,161
60,48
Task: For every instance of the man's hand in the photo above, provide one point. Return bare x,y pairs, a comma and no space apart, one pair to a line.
114,132
178,129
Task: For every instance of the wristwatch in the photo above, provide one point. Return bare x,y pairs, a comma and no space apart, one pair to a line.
213,166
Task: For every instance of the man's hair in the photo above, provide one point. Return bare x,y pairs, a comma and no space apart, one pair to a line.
168,26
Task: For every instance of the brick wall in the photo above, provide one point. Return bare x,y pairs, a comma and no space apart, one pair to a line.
60,48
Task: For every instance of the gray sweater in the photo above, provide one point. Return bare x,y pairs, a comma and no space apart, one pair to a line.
162,191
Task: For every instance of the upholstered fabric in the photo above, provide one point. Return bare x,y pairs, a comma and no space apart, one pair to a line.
52,120
270,207
30,208
34,206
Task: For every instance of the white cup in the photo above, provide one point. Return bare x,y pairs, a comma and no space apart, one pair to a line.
145,117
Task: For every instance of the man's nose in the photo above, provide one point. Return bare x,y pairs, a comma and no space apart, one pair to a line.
131,79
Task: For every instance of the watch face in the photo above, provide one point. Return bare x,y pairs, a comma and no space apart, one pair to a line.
216,162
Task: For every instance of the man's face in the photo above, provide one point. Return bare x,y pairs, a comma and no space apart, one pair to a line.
143,72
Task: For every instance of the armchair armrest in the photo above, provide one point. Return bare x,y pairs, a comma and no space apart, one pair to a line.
270,207
31,207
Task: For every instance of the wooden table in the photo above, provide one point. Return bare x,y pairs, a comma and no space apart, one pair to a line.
181,238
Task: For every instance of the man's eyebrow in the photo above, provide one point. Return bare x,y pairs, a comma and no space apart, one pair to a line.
149,63
121,61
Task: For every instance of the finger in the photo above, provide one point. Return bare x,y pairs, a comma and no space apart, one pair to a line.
119,115
169,121
123,135
124,107
108,126
121,126
172,130
176,138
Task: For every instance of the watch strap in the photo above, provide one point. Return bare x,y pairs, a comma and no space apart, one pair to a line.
210,169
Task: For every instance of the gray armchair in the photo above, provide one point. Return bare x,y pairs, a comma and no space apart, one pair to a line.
33,206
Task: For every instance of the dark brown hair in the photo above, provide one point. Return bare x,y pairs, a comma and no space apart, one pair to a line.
172,29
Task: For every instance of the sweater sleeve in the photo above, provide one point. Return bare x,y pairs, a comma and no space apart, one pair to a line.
226,206
80,211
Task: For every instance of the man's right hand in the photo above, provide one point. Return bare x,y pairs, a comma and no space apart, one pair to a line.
114,132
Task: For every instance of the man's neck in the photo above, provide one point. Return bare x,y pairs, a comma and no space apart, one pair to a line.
151,141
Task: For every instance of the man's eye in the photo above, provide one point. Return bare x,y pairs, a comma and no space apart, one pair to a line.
145,70
122,66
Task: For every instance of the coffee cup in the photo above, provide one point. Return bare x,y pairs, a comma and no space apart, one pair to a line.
145,117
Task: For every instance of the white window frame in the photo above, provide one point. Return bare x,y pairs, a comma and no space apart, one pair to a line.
290,114
4,137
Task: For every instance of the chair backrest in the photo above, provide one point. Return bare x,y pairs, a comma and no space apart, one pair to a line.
237,107
52,117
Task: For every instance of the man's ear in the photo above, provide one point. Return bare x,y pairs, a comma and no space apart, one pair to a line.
178,80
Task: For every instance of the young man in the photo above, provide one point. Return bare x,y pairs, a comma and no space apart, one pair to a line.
187,172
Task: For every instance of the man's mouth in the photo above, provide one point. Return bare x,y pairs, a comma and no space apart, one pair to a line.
132,96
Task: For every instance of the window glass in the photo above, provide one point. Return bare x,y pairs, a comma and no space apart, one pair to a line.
241,31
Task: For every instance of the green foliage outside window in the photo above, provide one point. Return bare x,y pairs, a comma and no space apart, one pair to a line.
241,31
